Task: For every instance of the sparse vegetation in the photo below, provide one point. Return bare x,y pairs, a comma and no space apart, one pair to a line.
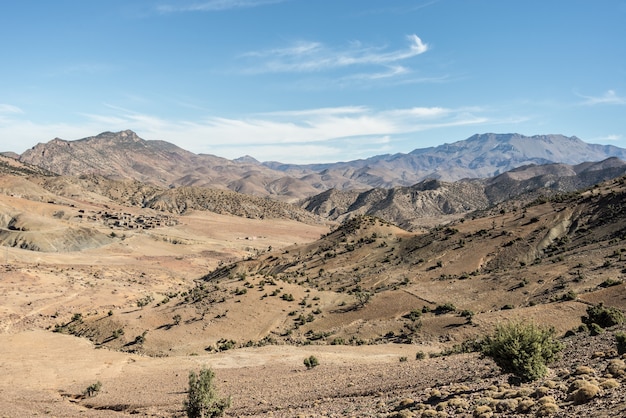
482,267
145,301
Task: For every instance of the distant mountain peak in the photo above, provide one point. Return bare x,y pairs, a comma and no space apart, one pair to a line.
126,135
247,159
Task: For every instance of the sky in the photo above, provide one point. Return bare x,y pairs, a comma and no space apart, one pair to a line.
311,81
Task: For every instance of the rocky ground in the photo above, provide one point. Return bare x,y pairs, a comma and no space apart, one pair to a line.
366,381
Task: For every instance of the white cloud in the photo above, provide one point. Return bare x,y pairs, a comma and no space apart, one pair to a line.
298,136
9,109
419,112
322,111
390,72
315,56
214,5
609,97
609,138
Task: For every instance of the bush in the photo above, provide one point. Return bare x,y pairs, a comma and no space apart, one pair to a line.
202,399
604,316
595,329
93,389
445,308
311,362
522,349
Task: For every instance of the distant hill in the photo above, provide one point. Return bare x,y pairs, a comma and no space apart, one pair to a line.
124,155
9,164
433,199
480,156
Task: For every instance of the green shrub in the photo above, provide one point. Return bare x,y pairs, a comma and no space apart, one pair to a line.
414,315
595,329
93,389
604,316
522,349
338,341
202,398
223,344
445,308
311,362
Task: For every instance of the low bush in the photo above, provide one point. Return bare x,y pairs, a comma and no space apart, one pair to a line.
522,349
93,389
202,398
604,316
311,362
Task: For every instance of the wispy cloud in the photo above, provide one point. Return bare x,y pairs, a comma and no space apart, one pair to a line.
315,56
390,72
291,136
609,138
399,9
214,5
299,136
9,109
610,97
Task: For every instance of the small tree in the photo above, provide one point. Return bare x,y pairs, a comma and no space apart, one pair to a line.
203,400
362,297
522,349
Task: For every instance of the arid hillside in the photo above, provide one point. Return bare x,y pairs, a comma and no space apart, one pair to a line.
432,201
99,284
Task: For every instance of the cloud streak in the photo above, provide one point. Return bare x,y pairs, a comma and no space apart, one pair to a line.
315,56
9,109
214,5
610,97
295,136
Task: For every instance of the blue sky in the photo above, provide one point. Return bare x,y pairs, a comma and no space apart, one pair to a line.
311,80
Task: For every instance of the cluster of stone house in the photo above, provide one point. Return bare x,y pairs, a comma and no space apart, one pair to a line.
119,220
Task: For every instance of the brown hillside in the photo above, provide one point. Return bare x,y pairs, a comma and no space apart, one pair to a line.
251,296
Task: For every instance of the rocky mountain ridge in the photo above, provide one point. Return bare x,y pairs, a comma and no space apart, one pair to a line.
428,200
125,155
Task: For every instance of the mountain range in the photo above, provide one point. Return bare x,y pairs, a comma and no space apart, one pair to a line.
124,155
138,247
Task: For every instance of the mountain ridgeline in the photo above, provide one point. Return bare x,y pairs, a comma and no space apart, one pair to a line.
124,155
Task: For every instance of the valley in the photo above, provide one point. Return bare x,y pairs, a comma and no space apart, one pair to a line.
134,284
